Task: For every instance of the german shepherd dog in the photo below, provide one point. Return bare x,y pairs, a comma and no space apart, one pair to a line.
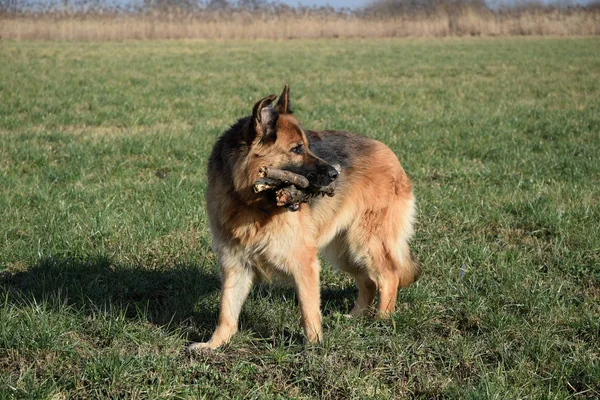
364,229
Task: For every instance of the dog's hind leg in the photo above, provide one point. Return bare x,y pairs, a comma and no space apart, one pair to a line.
236,282
378,242
367,289
397,269
338,254
388,292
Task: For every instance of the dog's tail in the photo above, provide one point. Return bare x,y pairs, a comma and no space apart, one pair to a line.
408,269
416,268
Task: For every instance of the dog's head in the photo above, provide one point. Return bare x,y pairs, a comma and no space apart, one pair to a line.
277,140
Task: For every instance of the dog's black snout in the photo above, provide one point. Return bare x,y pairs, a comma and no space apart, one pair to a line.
332,173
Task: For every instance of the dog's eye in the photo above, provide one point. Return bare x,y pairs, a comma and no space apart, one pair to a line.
299,149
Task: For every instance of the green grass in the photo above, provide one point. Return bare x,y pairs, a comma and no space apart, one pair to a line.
105,263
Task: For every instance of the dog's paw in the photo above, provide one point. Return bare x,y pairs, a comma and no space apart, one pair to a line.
199,346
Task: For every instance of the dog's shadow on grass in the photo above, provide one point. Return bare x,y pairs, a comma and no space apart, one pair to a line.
173,296
176,296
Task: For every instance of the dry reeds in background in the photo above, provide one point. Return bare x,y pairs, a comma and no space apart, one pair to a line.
281,22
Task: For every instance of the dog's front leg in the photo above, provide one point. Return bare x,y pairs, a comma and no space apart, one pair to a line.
236,281
306,279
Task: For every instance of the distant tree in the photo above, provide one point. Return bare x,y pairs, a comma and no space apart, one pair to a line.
253,5
218,5
394,7
594,5
170,4
8,6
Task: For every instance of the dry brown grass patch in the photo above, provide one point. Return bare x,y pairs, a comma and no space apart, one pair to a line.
464,22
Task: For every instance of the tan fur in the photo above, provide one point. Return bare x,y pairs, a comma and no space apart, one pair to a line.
363,230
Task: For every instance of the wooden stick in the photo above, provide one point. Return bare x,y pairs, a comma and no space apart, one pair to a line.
290,188
283,176
267,184
289,195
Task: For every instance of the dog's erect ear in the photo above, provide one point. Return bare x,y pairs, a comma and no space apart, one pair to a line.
264,117
283,104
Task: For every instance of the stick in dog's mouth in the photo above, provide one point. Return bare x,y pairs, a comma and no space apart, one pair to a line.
291,188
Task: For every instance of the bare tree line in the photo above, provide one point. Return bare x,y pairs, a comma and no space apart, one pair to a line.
379,8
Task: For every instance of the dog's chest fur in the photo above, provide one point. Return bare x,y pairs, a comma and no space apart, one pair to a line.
270,240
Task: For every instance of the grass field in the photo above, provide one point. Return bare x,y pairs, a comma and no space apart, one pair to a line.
105,266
